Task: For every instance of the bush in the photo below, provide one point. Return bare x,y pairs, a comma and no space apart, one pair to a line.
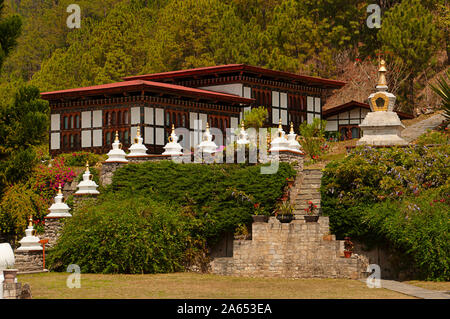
434,137
79,159
208,189
313,139
18,203
127,235
373,193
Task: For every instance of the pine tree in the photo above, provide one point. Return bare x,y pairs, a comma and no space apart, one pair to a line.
10,29
408,33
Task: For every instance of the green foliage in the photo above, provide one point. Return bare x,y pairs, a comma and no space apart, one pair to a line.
17,204
368,193
434,137
312,138
443,90
23,125
255,117
210,190
79,159
10,29
131,235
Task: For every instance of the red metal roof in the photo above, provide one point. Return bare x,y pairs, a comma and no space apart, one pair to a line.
238,67
142,85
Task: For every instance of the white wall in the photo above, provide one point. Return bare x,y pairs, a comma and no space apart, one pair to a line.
235,88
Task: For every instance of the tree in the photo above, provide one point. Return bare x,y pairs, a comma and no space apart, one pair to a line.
255,117
10,29
23,125
408,32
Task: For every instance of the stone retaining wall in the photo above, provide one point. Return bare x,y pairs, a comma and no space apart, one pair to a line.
292,250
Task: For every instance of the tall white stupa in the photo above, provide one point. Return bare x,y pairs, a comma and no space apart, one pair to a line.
382,126
294,145
279,143
59,209
207,145
173,147
87,186
117,154
138,148
30,242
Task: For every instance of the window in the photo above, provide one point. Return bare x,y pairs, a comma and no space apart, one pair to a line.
66,122
119,118
113,118
126,137
125,117
65,141
77,121
108,138
72,141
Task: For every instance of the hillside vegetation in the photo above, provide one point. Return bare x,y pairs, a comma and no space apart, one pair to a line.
316,37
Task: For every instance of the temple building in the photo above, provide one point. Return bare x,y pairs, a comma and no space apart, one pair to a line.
87,118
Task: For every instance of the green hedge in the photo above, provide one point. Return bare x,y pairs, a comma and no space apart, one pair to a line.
394,195
160,216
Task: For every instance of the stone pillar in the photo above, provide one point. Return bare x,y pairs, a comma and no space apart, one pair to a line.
30,260
107,171
11,288
53,226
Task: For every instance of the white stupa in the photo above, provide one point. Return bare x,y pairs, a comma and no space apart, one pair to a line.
243,136
29,242
382,126
59,209
173,147
138,148
294,145
207,145
87,186
280,143
117,154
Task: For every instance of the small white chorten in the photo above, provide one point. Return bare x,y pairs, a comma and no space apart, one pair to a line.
117,154
29,242
280,143
207,145
243,136
87,185
59,208
138,148
294,145
173,147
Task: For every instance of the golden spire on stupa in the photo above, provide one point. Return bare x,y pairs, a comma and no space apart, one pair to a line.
117,137
382,74
59,189
87,166
292,128
30,220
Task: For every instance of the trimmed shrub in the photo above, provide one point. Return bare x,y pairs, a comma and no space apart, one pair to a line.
124,235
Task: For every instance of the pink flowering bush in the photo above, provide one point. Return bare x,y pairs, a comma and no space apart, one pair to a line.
47,178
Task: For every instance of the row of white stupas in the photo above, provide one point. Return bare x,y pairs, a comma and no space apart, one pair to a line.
58,209
282,142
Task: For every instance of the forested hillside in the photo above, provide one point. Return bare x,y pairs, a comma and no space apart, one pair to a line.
316,37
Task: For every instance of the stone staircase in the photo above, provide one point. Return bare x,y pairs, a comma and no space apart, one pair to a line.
307,188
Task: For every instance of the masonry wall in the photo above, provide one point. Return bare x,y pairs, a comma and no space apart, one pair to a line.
29,260
291,250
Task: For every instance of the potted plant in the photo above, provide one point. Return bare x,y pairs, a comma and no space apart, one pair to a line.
311,216
241,232
348,247
259,214
284,212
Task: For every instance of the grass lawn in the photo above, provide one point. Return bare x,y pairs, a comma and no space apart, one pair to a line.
191,285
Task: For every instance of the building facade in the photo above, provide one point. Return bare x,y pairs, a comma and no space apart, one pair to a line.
87,118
